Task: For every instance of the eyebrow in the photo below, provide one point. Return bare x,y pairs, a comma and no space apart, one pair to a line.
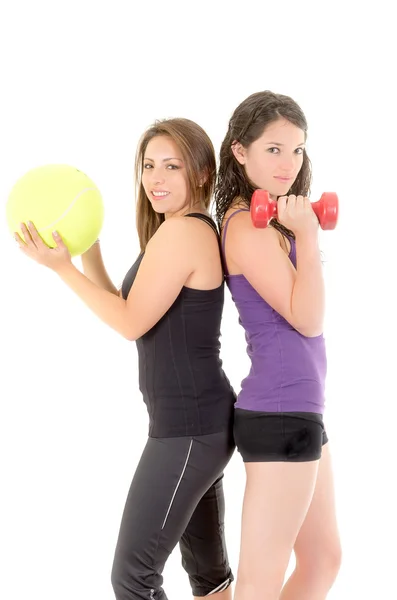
164,160
278,144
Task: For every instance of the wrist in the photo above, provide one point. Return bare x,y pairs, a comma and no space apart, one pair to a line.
63,269
308,237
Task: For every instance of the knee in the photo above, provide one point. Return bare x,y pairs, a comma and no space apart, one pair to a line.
130,576
321,563
266,579
121,577
330,559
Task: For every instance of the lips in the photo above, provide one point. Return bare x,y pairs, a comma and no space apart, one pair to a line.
285,179
159,193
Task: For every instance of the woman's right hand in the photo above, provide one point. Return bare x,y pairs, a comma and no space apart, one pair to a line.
297,215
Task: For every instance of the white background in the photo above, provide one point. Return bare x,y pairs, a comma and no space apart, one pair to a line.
80,81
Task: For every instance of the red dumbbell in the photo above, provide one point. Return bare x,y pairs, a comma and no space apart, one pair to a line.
263,209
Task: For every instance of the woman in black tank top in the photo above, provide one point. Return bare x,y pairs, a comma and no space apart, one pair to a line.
170,304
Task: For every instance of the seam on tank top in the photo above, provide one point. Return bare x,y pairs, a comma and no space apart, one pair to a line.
179,482
145,390
174,363
281,363
153,381
190,366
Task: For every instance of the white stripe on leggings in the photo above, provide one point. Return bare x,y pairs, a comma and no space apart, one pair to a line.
178,484
220,588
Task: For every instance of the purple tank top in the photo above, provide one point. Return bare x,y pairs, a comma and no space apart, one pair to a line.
288,370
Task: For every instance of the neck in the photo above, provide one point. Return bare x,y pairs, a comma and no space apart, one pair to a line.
198,207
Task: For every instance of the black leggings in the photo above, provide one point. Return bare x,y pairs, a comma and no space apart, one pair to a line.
176,495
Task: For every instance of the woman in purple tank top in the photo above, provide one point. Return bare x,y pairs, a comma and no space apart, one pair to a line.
275,278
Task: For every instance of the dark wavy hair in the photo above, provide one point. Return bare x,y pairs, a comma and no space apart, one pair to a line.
246,125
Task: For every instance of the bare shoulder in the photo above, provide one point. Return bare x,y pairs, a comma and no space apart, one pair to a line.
172,232
194,229
243,232
183,239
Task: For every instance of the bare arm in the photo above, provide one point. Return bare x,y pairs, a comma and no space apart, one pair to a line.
308,295
168,262
95,270
296,294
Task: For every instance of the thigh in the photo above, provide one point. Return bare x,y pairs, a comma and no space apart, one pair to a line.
276,500
319,535
145,541
171,478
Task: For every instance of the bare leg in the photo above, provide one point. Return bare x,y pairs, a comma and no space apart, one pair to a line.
277,498
317,548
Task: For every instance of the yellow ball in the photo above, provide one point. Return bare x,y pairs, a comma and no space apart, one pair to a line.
61,198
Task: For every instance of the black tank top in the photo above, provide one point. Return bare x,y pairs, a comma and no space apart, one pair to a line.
180,371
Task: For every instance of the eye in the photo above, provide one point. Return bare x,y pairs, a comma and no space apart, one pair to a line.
147,166
274,150
172,167
299,150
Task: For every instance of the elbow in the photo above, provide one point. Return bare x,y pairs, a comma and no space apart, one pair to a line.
133,334
309,329
310,332
307,320
127,332
129,336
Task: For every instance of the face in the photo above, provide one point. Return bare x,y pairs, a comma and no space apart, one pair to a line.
164,177
274,160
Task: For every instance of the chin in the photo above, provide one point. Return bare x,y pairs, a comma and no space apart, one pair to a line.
281,191
159,208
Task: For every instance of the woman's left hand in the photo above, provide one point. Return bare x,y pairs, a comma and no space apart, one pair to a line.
34,247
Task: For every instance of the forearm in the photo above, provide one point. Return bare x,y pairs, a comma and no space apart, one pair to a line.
308,296
94,269
111,309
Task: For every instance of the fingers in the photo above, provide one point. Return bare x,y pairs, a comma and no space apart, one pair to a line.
291,205
297,204
21,243
26,234
58,240
34,234
282,204
31,235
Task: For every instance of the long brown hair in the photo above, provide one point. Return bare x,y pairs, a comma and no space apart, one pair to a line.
199,157
246,125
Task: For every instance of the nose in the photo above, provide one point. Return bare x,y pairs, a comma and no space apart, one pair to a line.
288,164
157,176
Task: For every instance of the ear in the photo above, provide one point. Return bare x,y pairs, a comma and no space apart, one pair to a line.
203,178
202,181
240,153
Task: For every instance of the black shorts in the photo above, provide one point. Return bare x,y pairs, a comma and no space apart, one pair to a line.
176,496
279,437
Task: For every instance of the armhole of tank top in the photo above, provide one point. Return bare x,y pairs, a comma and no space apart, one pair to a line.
291,246
206,219
223,236
286,238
